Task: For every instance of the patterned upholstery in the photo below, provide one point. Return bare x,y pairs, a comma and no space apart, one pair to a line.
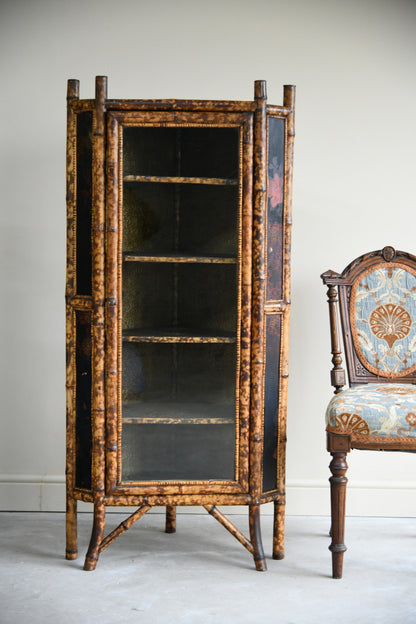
383,304
387,410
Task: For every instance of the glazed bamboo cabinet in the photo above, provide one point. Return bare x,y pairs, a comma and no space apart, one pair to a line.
179,220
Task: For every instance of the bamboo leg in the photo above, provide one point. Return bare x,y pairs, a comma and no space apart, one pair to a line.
124,526
255,536
96,537
279,530
71,528
227,524
338,467
170,519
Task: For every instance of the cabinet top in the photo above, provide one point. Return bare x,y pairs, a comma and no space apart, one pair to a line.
260,94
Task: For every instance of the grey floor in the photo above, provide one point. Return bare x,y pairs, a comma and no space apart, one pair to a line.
201,574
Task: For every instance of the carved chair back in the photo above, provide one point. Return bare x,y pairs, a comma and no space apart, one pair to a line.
377,302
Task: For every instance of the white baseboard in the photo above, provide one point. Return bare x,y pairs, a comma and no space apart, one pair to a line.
304,498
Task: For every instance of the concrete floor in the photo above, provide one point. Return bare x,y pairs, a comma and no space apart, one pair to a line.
202,575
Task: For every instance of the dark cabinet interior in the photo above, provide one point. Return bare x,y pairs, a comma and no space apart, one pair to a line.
180,250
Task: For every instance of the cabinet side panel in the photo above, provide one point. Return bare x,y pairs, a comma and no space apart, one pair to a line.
83,372
83,270
277,300
271,401
275,195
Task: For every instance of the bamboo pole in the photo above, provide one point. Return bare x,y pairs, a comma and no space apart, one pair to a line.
98,399
98,345
258,287
201,106
257,340
161,498
255,536
279,528
244,321
124,526
113,338
280,504
96,536
71,503
178,258
181,180
226,523
289,94
170,519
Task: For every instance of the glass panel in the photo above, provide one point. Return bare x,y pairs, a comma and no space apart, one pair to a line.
271,401
84,203
83,400
184,218
208,152
276,140
178,411
180,246
180,372
209,219
181,452
172,295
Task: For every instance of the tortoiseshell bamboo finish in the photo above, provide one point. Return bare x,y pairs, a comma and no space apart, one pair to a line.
257,311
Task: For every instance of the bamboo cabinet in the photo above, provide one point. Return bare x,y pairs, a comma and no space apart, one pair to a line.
179,219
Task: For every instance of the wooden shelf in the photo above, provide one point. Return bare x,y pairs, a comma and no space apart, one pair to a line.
176,334
182,180
177,413
133,256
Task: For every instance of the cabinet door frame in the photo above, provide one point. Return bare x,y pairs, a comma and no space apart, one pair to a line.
115,122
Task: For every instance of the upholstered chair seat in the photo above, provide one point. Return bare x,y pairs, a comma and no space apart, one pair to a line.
375,296
384,410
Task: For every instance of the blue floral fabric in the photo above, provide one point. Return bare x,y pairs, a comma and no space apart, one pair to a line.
374,410
383,308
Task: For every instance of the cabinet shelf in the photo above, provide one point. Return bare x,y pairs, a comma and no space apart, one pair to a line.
134,256
181,180
177,413
175,334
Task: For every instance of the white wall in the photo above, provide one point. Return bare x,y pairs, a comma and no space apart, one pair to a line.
354,190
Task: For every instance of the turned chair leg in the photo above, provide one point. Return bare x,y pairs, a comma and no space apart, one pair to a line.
338,481
170,519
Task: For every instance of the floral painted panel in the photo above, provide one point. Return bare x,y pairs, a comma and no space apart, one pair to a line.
271,401
383,311
374,410
275,188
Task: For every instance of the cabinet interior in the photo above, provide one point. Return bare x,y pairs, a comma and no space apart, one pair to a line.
180,258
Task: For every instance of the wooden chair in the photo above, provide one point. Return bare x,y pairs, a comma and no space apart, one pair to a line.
377,304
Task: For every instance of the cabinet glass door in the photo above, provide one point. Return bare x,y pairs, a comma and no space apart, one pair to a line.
180,291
